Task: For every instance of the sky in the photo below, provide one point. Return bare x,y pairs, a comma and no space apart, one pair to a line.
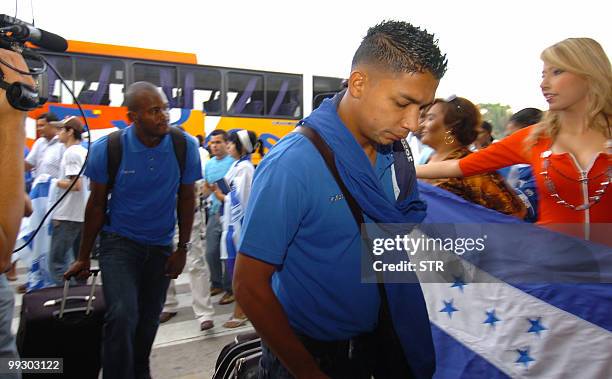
493,46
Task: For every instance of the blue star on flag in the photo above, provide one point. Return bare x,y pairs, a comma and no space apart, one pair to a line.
536,326
491,318
459,283
448,308
524,357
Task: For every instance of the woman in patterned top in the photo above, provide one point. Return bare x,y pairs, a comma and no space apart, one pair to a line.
450,126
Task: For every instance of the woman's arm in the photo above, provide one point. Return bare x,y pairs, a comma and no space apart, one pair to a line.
439,170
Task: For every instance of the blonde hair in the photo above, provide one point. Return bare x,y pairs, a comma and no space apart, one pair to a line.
586,58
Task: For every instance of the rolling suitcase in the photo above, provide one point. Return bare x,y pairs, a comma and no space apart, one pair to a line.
55,325
239,359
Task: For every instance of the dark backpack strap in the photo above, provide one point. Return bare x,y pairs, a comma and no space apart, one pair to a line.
179,142
328,157
115,152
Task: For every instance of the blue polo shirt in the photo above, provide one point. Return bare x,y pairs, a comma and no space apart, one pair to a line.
297,221
215,170
142,206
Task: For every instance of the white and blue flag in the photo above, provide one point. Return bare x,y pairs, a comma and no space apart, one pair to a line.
499,327
36,254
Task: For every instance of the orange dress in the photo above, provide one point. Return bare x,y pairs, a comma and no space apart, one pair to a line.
573,184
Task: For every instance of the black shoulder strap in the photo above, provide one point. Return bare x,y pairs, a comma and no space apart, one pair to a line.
328,157
115,152
179,142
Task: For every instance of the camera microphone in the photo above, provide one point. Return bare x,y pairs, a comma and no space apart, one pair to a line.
37,36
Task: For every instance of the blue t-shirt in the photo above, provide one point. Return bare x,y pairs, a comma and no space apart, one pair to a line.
216,169
142,206
297,220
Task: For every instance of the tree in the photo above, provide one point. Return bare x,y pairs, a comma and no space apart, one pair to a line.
498,115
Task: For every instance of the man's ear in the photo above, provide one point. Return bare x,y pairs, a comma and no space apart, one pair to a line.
131,115
356,83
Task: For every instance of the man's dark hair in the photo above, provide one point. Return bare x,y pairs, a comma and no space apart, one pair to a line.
401,47
219,132
49,117
526,117
77,134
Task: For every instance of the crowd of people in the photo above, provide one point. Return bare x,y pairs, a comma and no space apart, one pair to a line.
280,241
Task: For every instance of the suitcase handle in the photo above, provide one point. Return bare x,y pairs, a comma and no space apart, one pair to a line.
89,300
51,303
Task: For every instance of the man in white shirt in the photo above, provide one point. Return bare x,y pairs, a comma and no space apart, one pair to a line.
46,153
196,267
69,214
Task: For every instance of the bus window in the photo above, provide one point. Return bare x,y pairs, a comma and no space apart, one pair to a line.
99,81
324,87
284,96
201,89
57,91
164,77
245,94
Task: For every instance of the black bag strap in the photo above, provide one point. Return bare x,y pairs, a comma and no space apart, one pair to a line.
179,142
328,157
114,149
115,153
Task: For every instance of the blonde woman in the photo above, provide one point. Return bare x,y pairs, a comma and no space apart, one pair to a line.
570,150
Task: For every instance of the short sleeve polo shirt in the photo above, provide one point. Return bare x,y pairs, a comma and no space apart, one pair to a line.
216,170
298,220
142,206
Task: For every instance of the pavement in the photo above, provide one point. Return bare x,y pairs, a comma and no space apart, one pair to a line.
180,350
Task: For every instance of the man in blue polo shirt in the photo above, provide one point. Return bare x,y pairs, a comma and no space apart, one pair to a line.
215,169
298,274
137,258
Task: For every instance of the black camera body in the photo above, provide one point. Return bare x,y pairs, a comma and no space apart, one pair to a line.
14,33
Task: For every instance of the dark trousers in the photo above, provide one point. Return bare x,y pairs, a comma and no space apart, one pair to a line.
135,286
362,357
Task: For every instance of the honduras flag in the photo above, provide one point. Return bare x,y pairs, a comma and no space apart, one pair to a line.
500,328
36,253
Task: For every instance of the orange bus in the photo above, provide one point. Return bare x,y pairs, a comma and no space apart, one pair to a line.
201,98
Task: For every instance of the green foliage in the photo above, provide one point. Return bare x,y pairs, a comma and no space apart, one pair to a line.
497,115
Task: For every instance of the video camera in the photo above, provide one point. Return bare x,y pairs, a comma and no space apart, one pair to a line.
14,34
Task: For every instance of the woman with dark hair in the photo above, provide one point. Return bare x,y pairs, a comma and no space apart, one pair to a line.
234,192
450,127
570,150
522,119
